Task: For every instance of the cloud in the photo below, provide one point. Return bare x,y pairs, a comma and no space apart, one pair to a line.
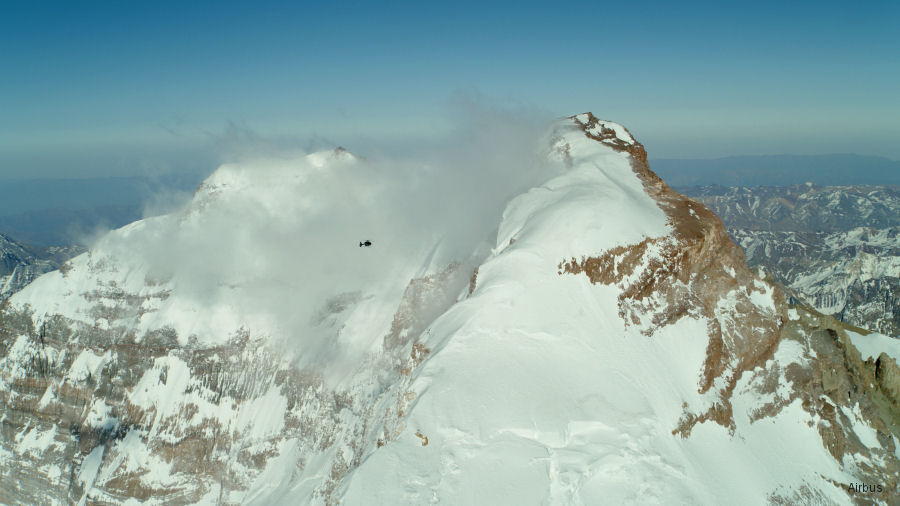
273,236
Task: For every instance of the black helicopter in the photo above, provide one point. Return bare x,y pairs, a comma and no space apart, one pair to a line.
366,244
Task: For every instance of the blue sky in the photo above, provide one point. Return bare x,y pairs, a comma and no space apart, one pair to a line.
97,88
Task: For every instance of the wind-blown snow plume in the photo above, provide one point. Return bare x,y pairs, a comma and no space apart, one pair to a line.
268,240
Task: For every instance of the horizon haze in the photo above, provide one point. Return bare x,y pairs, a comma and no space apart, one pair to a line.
109,89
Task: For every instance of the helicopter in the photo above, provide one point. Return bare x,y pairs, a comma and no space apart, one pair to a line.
367,243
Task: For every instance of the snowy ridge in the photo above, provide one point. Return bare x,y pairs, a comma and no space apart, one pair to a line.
572,404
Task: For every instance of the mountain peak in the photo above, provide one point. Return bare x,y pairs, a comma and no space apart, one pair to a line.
604,131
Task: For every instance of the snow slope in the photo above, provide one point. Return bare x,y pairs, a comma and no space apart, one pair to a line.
538,393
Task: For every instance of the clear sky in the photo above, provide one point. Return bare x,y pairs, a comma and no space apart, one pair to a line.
99,88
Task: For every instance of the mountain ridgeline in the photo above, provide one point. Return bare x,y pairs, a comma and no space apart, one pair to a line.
606,343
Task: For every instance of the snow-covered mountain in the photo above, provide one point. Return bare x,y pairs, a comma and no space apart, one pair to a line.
837,248
609,345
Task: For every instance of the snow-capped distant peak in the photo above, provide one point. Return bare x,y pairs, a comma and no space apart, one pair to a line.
321,158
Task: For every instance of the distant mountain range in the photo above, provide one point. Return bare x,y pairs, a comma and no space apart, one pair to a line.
779,170
836,247
21,264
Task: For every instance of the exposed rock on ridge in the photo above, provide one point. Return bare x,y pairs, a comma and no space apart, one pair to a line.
687,273
697,268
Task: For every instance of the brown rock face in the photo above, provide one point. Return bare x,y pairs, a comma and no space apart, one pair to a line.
687,273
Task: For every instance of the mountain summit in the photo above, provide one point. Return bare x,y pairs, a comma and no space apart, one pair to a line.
609,345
